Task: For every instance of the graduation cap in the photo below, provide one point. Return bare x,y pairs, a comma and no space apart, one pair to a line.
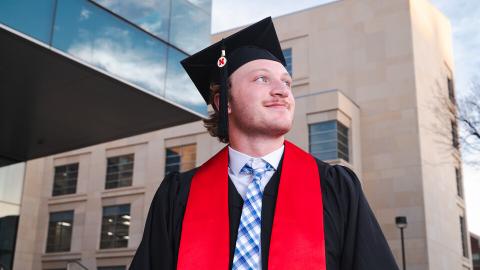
217,62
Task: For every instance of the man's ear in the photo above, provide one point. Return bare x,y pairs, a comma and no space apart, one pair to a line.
216,103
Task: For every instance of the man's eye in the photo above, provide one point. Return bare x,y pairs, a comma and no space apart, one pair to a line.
287,83
261,79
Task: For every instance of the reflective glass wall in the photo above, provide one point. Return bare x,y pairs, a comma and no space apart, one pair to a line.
141,42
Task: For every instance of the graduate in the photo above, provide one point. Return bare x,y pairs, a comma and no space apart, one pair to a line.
261,202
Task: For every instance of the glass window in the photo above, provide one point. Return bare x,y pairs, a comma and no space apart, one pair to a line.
8,236
328,140
115,225
189,26
60,229
33,18
204,5
463,234
65,179
455,142
92,34
458,176
180,158
287,53
152,16
179,87
119,171
451,90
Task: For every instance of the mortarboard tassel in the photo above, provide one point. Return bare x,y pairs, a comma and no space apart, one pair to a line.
223,110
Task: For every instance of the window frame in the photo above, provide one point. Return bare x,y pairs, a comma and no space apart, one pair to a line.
180,166
120,181
107,230
464,237
69,189
340,140
64,247
288,55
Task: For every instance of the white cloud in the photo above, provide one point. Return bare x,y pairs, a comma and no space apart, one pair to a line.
84,14
125,63
120,57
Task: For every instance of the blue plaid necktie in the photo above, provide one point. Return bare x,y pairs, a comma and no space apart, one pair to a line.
247,248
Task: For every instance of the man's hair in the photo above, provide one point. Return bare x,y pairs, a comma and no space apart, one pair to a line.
212,122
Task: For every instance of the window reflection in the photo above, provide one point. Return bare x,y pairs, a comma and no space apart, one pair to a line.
119,171
115,226
60,229
65,179
92,34
153,16
105,41
180,88
33,18
328,140
205,5
189,26
180,158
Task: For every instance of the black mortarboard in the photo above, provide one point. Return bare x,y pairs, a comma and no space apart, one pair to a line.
218,61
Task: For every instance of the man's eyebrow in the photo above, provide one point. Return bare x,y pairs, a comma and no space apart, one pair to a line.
267,70
260,69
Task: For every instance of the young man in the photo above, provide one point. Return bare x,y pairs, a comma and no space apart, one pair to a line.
261,202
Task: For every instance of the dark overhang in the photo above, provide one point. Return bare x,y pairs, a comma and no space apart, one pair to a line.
51,103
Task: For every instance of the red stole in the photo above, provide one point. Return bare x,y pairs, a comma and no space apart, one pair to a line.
297,240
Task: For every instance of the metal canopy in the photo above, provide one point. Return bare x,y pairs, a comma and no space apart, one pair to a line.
50,104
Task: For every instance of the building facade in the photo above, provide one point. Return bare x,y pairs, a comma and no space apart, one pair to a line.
373,82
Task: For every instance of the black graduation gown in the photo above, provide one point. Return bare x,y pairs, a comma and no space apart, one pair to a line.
353,238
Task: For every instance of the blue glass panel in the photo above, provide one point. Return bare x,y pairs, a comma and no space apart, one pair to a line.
92,34
326,146
33,18
179,87
328,140
66,216
189,26
323,126
287,53
327,135
116,210
153,15
205,5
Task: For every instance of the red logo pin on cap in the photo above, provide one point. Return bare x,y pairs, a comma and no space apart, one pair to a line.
222,61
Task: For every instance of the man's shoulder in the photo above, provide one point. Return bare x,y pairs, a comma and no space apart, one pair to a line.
181,178
337,175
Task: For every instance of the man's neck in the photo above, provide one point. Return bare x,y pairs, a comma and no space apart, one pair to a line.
256,146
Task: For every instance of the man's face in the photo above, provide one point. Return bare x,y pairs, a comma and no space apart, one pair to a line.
261,102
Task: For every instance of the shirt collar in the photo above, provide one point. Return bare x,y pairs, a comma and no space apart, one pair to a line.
238,159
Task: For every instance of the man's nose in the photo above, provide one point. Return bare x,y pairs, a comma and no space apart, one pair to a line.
279,88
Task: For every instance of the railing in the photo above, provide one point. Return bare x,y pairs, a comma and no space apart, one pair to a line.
72,264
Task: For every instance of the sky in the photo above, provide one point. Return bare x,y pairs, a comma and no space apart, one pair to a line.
464,16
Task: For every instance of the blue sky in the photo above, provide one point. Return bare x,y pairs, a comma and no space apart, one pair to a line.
464,16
